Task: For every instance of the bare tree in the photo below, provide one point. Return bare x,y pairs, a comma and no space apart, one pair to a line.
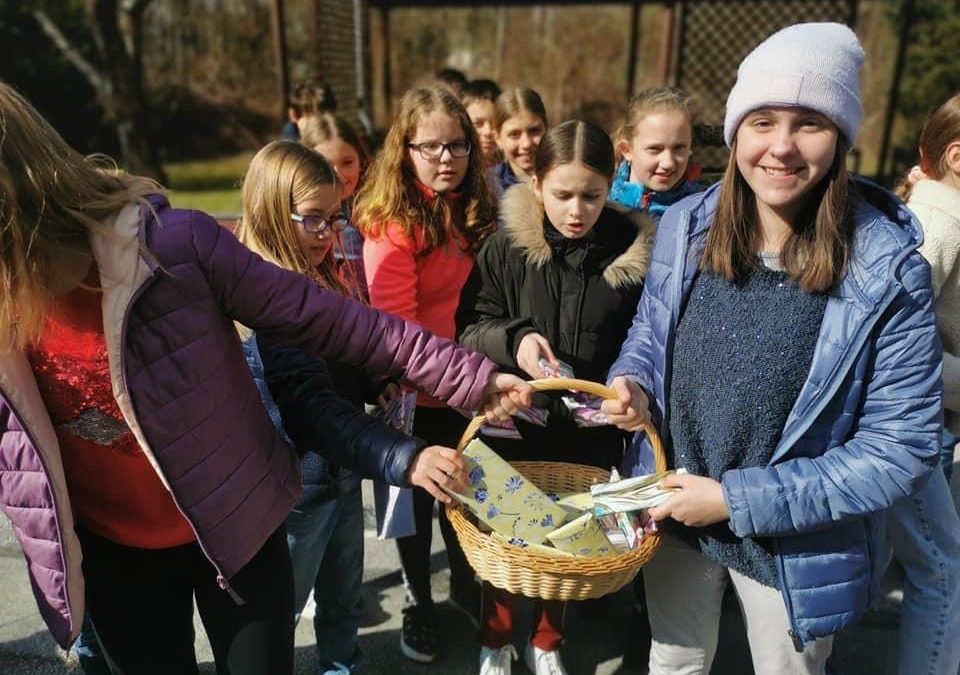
115,28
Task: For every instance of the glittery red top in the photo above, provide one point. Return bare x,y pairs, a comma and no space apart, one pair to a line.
113,488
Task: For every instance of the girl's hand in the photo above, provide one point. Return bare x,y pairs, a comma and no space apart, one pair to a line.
699,501
631,409
436,467
507,395
532,347
390,392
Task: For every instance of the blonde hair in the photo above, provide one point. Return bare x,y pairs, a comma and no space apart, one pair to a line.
941,130
390,193
50,197
281,174
655,100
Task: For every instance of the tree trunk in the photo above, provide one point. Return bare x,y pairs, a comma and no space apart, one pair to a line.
117,31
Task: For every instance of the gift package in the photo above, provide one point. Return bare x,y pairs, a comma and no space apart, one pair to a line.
503,499
608,519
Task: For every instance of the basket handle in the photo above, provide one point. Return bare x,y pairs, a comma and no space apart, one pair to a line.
569,383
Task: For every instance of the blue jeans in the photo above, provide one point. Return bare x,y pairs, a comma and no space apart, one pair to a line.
326,548
925,534
89,652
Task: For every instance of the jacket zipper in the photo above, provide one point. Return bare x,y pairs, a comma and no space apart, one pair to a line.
580,299
811,415
679,264
794,631
222,580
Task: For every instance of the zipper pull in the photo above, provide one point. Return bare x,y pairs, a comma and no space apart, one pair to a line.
225,585
797,643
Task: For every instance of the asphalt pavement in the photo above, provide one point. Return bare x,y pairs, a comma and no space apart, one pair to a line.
597,634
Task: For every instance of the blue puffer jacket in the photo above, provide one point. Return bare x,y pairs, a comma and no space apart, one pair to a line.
865,429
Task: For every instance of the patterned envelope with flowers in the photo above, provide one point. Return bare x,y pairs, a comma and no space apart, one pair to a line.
505,500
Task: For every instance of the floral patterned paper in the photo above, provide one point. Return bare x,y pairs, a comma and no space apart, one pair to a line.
583,537
505,500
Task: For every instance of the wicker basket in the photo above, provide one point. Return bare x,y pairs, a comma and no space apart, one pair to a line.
539,575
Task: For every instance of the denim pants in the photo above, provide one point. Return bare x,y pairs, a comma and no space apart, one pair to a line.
684,594
925,534
326,549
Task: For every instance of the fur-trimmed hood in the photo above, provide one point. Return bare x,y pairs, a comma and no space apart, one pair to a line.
523,219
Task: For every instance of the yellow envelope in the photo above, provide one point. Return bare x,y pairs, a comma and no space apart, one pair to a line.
582,537
505,499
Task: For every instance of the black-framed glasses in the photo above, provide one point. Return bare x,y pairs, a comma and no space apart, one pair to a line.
319,224
433,150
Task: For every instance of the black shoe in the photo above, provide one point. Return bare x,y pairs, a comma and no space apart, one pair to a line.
418,637
465,598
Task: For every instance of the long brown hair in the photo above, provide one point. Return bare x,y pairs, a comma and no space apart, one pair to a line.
815,254
940,130
281,174
51,196
390,193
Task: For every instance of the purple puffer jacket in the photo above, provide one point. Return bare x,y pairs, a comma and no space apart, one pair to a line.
171,294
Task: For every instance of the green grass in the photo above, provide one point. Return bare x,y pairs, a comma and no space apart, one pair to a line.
211,185
215,202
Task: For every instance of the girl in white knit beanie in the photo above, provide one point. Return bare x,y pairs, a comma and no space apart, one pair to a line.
786,346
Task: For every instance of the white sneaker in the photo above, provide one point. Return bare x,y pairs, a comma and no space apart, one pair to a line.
497,661
543,663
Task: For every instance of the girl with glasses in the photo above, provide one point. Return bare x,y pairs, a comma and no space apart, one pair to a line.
424,210
156,479
291,216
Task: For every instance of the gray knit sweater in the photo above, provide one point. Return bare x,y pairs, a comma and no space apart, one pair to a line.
742,353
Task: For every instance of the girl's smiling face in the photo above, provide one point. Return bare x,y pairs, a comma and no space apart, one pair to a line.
659,151
519,137
783,153
324,202
345,160
573,196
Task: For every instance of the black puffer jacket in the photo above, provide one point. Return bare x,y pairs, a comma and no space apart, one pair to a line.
338,443
579,294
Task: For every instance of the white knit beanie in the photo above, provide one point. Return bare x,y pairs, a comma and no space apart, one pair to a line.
812,65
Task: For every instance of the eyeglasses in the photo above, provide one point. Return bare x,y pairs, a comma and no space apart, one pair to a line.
432,150
318,224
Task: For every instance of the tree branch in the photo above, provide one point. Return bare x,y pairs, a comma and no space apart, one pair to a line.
100,84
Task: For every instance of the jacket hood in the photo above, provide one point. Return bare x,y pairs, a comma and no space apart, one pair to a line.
523,219
885,232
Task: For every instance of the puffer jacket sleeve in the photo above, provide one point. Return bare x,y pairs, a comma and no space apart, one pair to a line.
483,319
287,308
641,357
895,439
317,419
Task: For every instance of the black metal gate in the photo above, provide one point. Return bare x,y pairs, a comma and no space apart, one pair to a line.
713,36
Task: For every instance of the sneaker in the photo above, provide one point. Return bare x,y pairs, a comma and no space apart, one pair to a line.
541,662
465,598
418,637
497,661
